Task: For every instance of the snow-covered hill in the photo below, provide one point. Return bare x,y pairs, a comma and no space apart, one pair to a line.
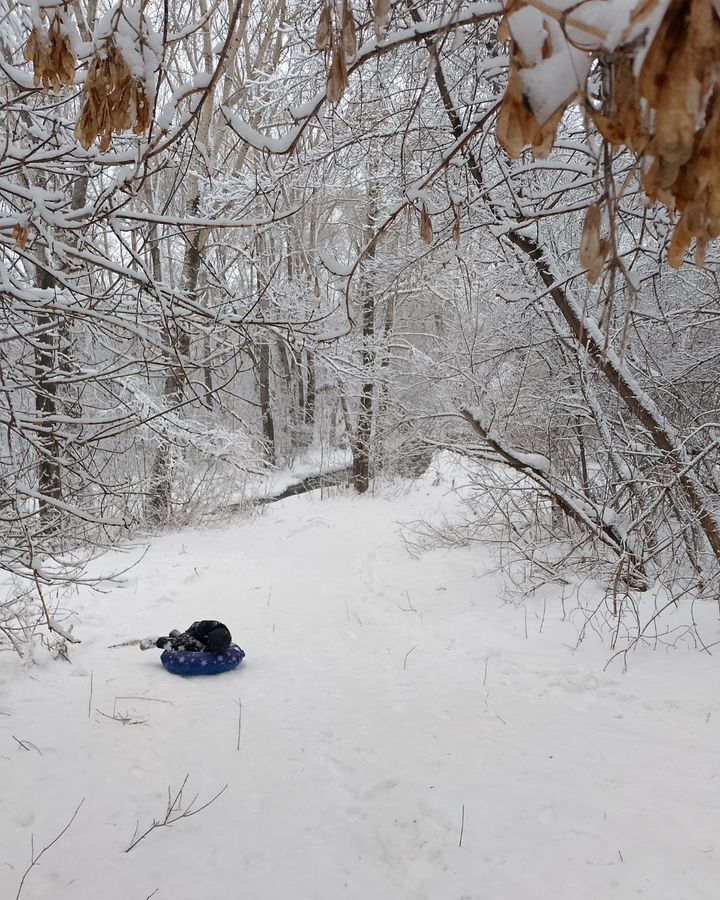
403,734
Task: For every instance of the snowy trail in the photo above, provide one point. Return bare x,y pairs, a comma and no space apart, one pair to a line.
383,698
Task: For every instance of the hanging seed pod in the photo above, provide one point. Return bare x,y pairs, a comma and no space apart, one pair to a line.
20,235
316,287
349,32
323,36
679,244
51,54
114,101
544,138
664,104
37,51
595,270
503,32
590,241
512,118
426,229
456,224
381,17
62,59
337,77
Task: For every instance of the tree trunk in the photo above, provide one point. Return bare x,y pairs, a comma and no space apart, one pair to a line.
363,430
266,415
310,390
46,406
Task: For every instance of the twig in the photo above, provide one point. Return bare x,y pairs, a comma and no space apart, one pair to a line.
148,699
173,813
119,717
410,607
91,693
26,745
462,826
408,654
35,859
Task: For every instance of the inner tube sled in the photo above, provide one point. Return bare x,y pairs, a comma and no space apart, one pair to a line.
185,662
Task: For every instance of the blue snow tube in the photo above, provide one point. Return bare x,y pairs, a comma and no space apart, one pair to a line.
184,662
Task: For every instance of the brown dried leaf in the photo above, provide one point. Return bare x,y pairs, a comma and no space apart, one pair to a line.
611,131
595,270
503,32
35,47
381,16
456,224
624,107
426,229
544,139
323,36
679,245
590,240
512,127
337,77
349,32
20,235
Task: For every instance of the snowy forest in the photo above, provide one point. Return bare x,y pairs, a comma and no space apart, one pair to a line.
238,233
370,251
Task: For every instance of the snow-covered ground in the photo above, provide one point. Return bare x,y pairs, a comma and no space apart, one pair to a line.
403,734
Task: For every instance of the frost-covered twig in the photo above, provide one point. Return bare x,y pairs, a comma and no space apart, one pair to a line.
34,860
173,813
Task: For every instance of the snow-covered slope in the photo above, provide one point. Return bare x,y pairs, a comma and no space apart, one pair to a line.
402,733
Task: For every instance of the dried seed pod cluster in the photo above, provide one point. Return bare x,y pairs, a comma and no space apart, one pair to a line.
115,100
125,55
546,74
664,106
680,80
50,51
337,33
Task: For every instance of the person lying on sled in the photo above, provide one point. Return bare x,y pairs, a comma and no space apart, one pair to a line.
206,636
